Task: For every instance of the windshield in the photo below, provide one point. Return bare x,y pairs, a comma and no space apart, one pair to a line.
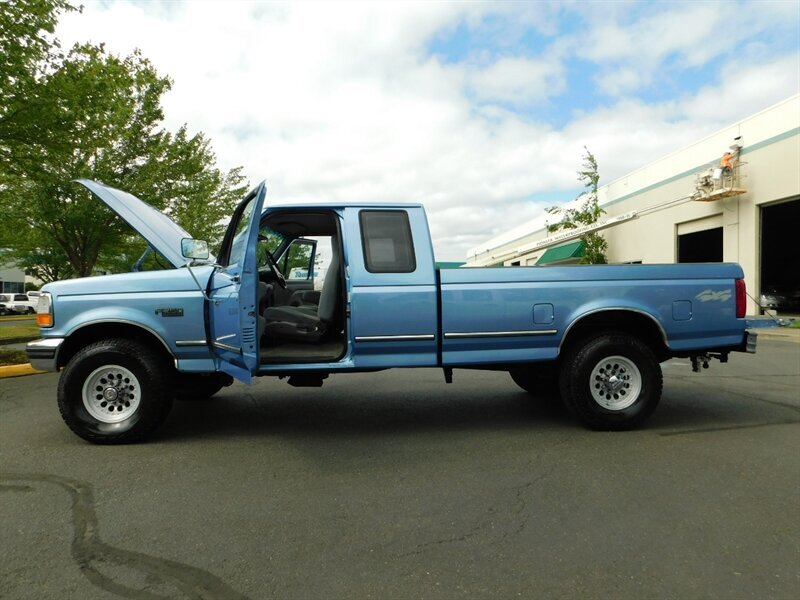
268,241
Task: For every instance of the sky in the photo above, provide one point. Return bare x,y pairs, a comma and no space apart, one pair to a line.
478,110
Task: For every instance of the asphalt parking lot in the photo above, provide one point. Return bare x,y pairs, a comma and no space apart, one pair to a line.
395,485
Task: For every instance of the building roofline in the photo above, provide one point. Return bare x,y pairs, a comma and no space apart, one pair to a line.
708,137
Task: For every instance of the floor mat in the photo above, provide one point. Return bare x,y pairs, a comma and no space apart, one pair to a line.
288,352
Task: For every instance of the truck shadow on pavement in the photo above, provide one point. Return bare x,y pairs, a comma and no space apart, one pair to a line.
122,572
238,411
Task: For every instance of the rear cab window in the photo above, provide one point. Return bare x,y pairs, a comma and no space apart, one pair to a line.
387,242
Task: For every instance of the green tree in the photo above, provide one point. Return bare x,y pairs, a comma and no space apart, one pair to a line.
28,115
595,245
98,116
43,263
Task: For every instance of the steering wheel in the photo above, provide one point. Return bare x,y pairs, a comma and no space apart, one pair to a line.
273,266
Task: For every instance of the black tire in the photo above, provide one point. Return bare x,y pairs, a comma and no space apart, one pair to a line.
31,310
199,386
611,381
106,371
540,383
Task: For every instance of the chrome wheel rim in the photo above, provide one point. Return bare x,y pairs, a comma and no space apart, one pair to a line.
615,383
111,394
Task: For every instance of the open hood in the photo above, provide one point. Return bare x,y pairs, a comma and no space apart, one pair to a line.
161,232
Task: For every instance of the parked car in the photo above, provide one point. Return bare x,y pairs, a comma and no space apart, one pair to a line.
783,300
25,304
127,344
17,304
5,300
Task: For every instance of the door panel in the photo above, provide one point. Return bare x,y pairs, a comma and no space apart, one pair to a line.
233,314
393,301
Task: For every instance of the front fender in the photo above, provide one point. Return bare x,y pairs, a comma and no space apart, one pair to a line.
172,319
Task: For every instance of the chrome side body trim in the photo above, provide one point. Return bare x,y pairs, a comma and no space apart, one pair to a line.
395,338
498,334
222,346
188,343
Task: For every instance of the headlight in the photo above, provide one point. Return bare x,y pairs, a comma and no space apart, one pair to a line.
44,311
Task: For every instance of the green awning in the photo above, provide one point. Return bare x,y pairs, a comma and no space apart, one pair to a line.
449,265
565,254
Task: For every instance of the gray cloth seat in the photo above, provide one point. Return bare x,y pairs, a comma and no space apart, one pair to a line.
308,323
304,298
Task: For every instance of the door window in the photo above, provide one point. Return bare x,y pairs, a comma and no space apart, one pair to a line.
297,261
386,237
239,243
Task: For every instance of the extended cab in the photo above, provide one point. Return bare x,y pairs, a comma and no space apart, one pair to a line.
128,344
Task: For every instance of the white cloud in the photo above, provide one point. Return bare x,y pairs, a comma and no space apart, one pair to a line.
640,54
518,81
342,101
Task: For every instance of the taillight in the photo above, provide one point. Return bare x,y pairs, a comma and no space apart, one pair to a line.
44,311
741,299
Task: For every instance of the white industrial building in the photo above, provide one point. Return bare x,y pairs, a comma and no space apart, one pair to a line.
686,207
12,279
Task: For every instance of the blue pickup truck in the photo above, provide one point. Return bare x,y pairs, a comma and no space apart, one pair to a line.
592,336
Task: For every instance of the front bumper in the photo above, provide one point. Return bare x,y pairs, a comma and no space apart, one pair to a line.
43,353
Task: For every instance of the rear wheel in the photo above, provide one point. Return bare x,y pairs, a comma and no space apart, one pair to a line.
114,392
612,381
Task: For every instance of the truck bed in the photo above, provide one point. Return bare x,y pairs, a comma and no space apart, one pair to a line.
523,314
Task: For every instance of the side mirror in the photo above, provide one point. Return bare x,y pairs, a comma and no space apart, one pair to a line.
195,249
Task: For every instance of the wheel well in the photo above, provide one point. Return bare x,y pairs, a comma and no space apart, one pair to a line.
644,327
105,331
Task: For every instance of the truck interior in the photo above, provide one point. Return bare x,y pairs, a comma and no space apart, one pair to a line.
301,288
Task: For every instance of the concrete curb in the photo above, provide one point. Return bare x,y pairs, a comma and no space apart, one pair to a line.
778,333
17,340
18,371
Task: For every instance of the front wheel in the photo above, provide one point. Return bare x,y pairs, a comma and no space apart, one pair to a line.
114,392
613,381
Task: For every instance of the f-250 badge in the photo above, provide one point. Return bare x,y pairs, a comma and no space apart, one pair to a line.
712,296
170,312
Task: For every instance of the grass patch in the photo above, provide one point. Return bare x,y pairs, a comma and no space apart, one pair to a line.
9,332
795,324
12,357
9,318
